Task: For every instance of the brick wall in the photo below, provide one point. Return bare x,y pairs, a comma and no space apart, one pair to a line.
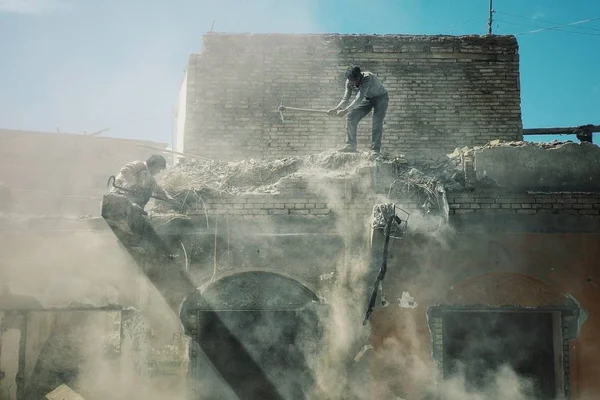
483,202
297,196
525,212
50,173
490,201
444,92
323,197
481,210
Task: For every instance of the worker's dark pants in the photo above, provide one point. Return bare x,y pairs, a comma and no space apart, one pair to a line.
379,106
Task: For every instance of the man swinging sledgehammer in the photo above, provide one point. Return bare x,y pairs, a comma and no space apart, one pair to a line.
372,95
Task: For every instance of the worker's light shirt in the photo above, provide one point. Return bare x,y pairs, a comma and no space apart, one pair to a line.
370,86
137,175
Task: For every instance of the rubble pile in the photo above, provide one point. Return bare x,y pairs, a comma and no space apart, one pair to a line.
256,176
425,179
428,179
497,143
428,183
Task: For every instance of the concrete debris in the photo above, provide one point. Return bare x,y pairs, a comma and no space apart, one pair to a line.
546,167
407,301
382,213
426,178
362,352
556,144
327,276
63,392
257,176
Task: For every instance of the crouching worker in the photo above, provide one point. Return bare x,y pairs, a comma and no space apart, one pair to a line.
372,95
123,206
136,181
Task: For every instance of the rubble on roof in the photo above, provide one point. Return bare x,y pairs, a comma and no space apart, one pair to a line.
498,143
528,166
424,180
488,166
256,176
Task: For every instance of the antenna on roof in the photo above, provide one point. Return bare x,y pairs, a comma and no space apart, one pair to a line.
490,18
212,26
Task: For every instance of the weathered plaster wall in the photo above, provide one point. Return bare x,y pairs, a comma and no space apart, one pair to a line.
438,272
569,167
444,92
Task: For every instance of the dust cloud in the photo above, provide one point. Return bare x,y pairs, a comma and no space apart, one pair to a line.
341,370
81,267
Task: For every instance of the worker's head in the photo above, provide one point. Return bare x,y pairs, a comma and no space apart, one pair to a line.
156,163
353,74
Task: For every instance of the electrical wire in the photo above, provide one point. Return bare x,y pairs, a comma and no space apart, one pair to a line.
544,21
558,26
547,28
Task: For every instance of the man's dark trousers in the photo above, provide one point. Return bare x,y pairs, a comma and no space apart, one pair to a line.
379,106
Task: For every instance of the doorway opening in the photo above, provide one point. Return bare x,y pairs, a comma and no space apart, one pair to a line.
479,345
253,335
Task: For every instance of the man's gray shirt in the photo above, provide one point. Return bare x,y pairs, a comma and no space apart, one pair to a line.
370,86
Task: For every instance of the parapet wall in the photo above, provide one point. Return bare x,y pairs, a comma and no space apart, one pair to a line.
445,92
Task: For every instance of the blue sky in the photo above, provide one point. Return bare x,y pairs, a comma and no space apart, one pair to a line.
87,65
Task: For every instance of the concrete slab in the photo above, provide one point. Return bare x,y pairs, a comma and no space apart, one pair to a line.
568,167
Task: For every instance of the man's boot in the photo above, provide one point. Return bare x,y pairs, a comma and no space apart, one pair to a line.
347,149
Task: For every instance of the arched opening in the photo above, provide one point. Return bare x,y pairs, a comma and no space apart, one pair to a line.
254,334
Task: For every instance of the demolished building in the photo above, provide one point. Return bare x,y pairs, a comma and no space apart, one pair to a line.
490,289
491,286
